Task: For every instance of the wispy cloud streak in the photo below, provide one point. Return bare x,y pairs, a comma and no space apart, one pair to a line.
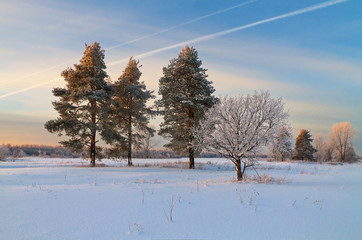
35,73
205,38
138,39
29,88
182,24
225,32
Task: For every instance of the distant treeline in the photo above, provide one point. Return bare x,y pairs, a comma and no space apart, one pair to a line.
33,150
39,151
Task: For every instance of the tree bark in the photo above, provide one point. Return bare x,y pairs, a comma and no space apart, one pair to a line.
130,140
93,150
191,148
191,158
239,172
93,141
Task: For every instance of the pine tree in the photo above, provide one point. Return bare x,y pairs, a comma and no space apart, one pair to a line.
281,145
186,96
303,146
130,112
84,104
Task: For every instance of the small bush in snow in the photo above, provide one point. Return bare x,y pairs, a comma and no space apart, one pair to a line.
264,178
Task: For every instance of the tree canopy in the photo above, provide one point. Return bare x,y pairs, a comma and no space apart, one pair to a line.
238,127
84,104
129,109
304,149
186,96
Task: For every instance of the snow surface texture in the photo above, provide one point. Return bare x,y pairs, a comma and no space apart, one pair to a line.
59,199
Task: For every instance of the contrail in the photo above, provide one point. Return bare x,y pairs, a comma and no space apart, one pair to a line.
140,38
36,73
210,36
183,24
29,88
225,32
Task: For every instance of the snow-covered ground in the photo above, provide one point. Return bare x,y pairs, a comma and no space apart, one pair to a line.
60,199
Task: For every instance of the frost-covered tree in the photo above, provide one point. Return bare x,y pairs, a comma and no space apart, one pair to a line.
84,104
324,149
4,151
341,137
238,127
319,145
147,144
281,146
328,150
18,153
304,149
186,96
129,109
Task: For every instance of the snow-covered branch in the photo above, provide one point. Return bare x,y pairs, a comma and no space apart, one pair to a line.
239,126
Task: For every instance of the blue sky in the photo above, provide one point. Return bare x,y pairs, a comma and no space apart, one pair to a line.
312,60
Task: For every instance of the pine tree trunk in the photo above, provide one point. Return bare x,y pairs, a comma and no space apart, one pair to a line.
93,141
191,148
191,158
130,140
93,150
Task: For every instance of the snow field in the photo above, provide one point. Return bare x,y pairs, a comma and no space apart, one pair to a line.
58,199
